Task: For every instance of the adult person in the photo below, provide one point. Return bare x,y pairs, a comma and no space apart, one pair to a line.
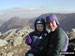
37,40
58,38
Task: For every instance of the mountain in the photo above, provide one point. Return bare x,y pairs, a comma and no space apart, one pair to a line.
67,22
14,22
1,21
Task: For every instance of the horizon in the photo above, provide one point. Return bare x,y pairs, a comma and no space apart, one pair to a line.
34,8
27,13
50,5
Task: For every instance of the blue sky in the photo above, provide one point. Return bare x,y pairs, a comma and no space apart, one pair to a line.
52,5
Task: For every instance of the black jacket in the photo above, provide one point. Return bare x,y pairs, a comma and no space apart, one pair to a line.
58,42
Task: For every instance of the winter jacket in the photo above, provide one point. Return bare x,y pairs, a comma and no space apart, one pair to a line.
38,43
58,42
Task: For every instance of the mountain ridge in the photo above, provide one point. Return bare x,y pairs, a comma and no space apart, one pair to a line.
67,22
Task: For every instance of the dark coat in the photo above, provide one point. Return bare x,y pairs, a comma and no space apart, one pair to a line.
38,43
58,42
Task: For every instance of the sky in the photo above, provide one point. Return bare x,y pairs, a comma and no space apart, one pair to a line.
51,5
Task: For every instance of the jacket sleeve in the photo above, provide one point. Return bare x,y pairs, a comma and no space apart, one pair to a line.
28,40
61,43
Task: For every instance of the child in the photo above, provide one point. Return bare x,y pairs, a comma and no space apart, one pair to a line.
38,39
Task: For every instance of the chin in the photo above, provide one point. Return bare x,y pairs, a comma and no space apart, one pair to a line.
52,30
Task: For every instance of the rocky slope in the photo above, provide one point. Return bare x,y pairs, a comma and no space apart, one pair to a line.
12,42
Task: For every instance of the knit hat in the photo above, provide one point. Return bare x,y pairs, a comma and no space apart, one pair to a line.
52,17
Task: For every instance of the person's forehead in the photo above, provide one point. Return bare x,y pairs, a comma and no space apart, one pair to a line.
39,24
50,22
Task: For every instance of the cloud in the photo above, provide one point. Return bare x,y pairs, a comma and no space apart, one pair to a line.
22,12
28,12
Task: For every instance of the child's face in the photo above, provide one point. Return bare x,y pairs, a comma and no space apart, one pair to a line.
40,27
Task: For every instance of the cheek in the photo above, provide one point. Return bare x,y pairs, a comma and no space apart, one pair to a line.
42,28
38,28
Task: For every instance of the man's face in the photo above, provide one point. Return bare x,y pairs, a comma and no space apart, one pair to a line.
40,27
52,25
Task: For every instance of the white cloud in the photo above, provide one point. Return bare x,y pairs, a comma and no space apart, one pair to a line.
22,12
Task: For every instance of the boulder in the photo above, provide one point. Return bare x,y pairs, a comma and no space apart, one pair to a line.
3,42
17,41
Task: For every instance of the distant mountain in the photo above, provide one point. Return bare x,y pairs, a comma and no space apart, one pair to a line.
67,22
1,21
14,22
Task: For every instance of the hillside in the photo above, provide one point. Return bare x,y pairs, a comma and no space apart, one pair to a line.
67,22
14,22
12,42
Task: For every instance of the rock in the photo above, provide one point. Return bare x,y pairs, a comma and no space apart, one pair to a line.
5,48
10,34
4,54
72,34
10,54
17,41
73,30
3,42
